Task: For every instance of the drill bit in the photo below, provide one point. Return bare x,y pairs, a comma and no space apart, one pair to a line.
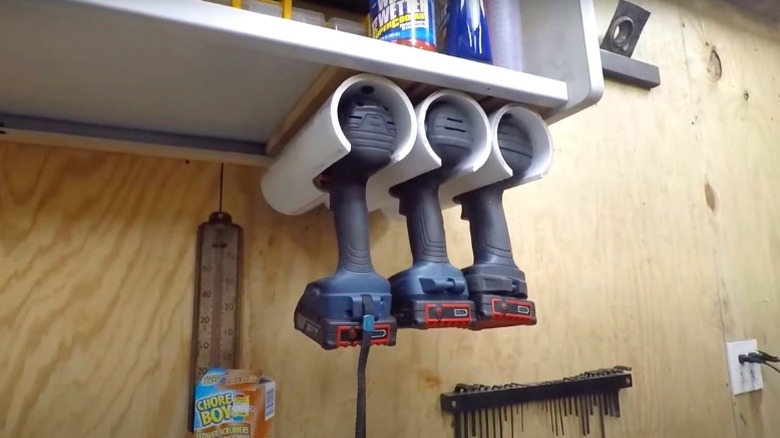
589,398
560,415
522,419
493,411
602,404
512,421
548,407
588,413
500,424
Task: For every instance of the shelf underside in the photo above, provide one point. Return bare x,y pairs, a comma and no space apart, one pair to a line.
173,72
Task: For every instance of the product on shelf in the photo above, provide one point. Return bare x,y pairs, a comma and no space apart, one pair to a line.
408,22
462,29
274,9
349,26
506,33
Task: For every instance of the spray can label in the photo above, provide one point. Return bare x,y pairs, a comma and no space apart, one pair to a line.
409,22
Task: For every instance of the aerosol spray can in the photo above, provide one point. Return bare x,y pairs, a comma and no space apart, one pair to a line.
408,22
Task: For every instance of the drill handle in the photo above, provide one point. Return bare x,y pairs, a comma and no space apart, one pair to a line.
350,212
419,202
484,210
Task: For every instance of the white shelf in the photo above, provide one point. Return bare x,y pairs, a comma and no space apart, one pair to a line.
195,75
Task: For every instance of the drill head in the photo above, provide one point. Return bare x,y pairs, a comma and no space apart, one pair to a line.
369,127
450,135
515,146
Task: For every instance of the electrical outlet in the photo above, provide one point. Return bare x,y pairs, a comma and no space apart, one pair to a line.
743,377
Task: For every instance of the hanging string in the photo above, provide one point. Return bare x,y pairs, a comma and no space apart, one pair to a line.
221,184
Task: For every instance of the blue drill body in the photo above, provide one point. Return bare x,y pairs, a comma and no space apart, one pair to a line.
331,309
433,293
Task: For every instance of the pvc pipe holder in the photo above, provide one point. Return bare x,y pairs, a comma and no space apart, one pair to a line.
289,186
539,134
422,158
486,165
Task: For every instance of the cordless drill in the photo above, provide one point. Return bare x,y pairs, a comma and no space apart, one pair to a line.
331,309
433,293
496,285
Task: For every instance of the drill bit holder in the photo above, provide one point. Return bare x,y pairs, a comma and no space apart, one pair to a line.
492,411
289,185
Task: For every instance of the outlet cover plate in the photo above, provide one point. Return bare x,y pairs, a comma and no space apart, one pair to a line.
743,377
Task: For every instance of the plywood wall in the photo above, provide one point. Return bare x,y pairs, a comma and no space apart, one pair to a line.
652,241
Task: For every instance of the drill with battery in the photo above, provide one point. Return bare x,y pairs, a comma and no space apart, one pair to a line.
331,309
432,293
496,285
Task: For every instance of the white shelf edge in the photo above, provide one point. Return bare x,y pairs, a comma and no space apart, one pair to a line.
29,130
593,92
561,42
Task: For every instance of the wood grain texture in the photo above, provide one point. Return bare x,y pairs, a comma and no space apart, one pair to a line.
738,125
96,260
651,242
762,9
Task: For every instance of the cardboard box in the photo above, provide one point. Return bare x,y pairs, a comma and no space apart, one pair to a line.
234,404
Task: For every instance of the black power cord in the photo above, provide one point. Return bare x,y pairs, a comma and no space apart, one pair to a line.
368,331
768,357
772,366
760,357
